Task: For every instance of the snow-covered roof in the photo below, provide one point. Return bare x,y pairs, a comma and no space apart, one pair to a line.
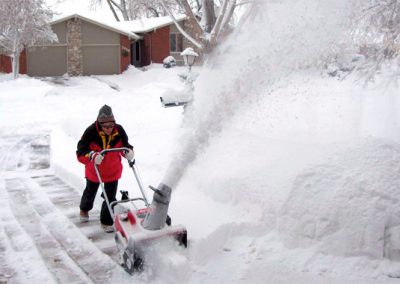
107,25
128,28
148,24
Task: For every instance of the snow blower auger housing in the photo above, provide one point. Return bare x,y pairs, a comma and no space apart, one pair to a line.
138,228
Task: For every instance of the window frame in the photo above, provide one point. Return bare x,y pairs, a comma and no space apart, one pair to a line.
178,40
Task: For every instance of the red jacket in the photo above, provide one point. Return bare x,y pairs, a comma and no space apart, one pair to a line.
94,139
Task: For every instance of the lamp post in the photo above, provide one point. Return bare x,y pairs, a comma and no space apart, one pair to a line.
184,97
189,56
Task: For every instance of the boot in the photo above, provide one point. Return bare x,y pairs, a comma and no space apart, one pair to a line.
84,216
107,228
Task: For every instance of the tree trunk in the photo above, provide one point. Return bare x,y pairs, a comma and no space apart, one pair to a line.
113,10
124,11
15,64
208,14
218,25
193,25
15,58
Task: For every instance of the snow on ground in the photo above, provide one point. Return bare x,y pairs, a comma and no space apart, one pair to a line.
316,205
281,175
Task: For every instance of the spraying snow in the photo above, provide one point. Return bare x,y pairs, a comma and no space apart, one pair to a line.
240,73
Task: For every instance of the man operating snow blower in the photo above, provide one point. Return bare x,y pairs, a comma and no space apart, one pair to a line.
103,134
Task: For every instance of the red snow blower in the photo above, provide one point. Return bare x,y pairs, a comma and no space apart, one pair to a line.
138,228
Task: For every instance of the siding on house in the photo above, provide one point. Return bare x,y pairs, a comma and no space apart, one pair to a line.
156,45
177,55
47,61
22,62
50,60
5,64
125,51
100,50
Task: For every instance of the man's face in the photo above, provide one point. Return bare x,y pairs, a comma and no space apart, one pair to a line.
107,127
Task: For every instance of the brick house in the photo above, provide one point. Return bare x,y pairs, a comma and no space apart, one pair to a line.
90,47
159,39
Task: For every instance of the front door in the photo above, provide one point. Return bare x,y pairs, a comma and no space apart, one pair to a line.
136,53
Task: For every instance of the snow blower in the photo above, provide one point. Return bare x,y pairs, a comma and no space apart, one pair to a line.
138,228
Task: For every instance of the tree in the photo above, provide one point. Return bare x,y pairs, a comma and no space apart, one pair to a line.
207,20
206,28
134,9
377,33
149,8
23,23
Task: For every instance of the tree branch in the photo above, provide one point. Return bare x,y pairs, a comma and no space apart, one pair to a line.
110,2
181,30
217,27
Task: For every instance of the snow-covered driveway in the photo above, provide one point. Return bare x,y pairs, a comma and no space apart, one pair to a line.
41,237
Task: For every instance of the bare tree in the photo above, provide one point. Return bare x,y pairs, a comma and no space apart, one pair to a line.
23,23
206,28
133,9
207,20
149,8
377,33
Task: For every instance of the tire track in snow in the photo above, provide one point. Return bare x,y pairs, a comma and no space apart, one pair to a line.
67,200
54,254
44,211
22,153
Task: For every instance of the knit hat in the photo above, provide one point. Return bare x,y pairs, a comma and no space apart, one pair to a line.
105,114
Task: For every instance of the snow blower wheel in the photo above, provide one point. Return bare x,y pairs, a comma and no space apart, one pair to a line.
137,228
132,265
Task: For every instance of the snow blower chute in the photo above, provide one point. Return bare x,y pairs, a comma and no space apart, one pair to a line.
138,228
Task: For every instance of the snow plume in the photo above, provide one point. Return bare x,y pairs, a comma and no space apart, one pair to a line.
277,39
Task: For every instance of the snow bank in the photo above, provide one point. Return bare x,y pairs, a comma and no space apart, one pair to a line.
348,206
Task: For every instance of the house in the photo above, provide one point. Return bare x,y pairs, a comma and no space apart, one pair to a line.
5,64
91,47
159,39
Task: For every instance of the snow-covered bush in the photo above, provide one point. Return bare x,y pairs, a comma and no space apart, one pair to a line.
169,62
342,65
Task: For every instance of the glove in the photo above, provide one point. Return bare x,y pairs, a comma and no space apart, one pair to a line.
129,155
96,157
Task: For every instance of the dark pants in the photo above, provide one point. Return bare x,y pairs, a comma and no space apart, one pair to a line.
89,194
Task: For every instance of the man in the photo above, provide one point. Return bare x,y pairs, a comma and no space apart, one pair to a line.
104,133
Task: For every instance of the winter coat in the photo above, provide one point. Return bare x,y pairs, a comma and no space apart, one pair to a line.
94,139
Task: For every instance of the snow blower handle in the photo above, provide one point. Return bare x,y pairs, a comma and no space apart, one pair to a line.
139,181
96,167
122,149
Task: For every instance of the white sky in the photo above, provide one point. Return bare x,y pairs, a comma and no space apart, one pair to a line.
84,7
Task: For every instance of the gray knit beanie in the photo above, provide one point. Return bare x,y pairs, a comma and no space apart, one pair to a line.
105,114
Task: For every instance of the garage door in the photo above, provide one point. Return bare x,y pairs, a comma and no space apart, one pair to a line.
101,60
47,61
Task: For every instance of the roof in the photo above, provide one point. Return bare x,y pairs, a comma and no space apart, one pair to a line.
148,24
107,25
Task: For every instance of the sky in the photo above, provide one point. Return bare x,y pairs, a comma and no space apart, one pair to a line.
84,7
281,173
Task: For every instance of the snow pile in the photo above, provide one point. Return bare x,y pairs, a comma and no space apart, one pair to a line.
348,206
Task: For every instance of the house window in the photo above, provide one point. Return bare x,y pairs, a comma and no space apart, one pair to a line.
176,42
